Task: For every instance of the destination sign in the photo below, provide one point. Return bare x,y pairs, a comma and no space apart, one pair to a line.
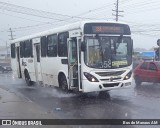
106,28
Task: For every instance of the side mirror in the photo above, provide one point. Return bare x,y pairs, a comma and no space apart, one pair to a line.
83,46
158,42
130,48
132,42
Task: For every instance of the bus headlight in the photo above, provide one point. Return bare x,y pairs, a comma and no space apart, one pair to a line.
90,77
128,75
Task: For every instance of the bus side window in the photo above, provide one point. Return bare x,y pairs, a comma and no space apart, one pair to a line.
28,48
62,44
22,49
52,45
13,54
43,46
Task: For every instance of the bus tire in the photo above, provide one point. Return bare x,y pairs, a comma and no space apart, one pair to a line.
28,79
63,83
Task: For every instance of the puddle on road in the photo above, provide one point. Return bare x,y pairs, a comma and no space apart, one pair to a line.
148,90
58,93
55,92
47,91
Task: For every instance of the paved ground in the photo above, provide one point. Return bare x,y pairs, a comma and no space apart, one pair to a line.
19,101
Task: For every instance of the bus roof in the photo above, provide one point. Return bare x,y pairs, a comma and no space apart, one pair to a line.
72,26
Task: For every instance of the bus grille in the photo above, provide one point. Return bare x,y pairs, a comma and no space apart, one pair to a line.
110,73
110,85
118,78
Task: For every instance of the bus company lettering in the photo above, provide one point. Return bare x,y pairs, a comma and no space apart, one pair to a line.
34,123
14,122
30,60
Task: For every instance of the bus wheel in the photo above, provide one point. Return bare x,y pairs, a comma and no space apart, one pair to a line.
63,83
28,79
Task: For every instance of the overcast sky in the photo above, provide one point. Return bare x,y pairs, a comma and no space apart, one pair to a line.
141,15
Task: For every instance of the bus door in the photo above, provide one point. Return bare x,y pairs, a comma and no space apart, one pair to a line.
37,62
18,62
73,63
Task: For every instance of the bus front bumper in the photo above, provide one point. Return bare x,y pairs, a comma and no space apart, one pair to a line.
104,86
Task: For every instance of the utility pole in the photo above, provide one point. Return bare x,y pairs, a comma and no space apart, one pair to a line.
117,10
11,34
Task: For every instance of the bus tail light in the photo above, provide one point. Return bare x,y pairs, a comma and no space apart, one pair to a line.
90,77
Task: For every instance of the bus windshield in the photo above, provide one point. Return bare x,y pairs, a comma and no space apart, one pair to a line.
108,52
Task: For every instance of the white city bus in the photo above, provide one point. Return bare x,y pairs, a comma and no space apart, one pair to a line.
85,56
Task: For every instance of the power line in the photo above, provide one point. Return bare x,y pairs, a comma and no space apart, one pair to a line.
95,10
37,13
145,34
48,23
31,26
138,4
158,30
12,7
141,6
22,18
30,9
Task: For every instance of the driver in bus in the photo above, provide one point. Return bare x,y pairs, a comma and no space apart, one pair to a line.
107,49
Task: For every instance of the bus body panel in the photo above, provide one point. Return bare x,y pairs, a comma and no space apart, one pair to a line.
51,67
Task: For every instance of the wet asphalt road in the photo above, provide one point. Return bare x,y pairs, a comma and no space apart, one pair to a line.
133,103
